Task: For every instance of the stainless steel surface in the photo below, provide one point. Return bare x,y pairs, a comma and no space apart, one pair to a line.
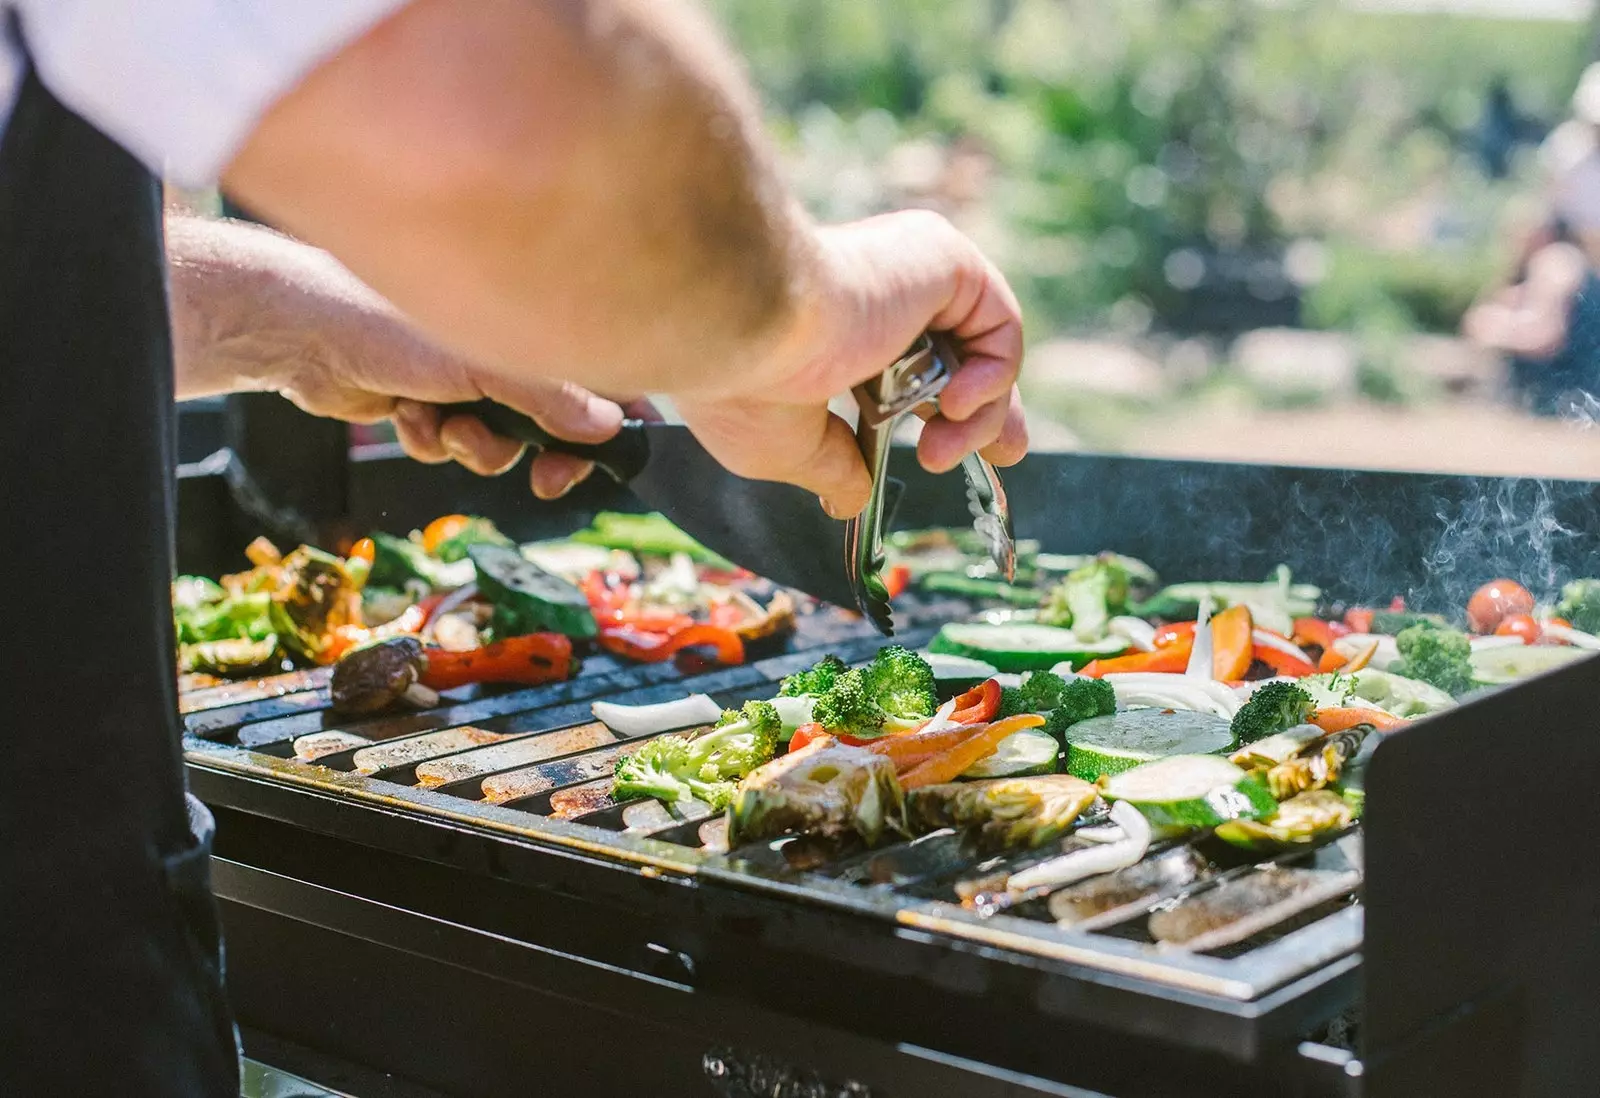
916,379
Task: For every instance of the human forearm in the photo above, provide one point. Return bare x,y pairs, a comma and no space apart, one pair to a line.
575,188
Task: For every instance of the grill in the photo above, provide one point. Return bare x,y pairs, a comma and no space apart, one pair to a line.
445,902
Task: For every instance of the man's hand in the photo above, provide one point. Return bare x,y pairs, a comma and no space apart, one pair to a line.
255,311
878,284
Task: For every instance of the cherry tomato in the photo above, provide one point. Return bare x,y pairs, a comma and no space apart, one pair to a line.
1492,602
1518,625
442,529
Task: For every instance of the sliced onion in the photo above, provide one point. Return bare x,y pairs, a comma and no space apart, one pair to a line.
646,720
1351,645
940,721
1481,644
1007,679
1575,637
1200,659
1104,858
1271,640
1136,631
450,602
1170,690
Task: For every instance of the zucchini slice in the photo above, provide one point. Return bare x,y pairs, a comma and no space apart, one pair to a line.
528,598
1021,646
1020,754
1124,740
1189,792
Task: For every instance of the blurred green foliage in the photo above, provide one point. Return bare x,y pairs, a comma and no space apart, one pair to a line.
1140,146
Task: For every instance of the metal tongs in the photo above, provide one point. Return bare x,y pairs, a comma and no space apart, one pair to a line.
915,380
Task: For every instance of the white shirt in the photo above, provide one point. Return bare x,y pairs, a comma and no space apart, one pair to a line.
178,83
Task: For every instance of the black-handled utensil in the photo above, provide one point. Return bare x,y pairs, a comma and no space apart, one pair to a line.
622,457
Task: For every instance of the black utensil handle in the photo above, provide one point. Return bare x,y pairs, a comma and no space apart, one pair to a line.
622,456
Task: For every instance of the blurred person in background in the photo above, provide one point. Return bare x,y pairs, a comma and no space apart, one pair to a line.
530,200
1548,320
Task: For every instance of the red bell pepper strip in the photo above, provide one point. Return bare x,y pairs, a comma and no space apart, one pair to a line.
896,579
1281,662
1173,633
978,705
806,733
527,660
1174,658
635,644
1232,645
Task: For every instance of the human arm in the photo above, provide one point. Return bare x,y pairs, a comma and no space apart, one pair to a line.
580,189
256,311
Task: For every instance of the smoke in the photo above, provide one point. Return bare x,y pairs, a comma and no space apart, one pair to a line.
1516,522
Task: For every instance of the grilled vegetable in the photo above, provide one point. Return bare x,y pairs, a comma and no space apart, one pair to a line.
1087,599
1003,814
1393,693
647,720
1580,604
1272,708
651,534
235,656
1299,820
644,646
825,789
1191,792
399,561
1021,647
895,692
1122,741
982,590
957,760
1440,657
1395,622
315,596
1080,700
372,678
1273,604
815,680
1039,692
528,599
704,767
1028,752
1102,857
1173,690
1492,602
1494,666
449,538
956,673
1317,764
527,660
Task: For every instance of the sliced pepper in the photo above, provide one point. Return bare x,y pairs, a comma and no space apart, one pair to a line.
1313,631
950,764
636,644
1281,662
527,660
978,705
1174,658
1173,633
895,580
1232,645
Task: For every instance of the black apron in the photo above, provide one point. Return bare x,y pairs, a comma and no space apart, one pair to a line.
112,973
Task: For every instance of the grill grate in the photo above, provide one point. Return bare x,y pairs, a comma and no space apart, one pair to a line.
534,761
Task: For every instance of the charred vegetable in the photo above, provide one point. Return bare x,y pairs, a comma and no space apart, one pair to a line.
526,598
314,597
372,678
822,789
238,656
1317,764
1003,813
399,561
1301,819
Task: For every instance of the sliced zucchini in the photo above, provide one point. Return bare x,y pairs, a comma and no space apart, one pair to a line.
1122,741
562,557
1020,754
1021,646
1502,664
957,673
1189,792
528,599
964,586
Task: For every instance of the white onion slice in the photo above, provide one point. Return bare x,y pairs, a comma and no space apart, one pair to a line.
1482,644
1170,690
646,720
1136,631
1352,645
940,721
447,604
794,711
1062,871
1575,637
1277,643
1200,661
1007,678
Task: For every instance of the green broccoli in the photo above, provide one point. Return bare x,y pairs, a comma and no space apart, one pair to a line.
1273,708
1441,657
896,691
706,767
1040,692
817,680
1394,622
1087,598
1580,604
1079,700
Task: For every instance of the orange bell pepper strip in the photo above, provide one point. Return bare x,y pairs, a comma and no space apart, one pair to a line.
1359,619
1331,661
527,660
949,765
908,751
807,733
1173,658
1338,718
1313,631
1174,633
1281,662
1232,645
442,529
896,578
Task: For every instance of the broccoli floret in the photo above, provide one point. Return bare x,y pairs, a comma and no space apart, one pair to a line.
1273,708
1087,598
1394,622
902,684
662,769
1441,657
1079,700
1580,604
742,740
816,680
1040,692
896,690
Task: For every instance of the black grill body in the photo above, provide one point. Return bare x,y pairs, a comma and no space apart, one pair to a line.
412,941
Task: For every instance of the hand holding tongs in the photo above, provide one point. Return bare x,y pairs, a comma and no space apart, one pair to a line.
915,380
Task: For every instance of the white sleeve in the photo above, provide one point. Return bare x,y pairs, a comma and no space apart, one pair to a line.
181,83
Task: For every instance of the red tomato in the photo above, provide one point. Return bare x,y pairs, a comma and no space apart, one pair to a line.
1492,602
1518,625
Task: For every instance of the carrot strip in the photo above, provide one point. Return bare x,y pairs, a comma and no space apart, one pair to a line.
1338,718
1282,662
921,744
1313,631
1232,643
1173,658
949,765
